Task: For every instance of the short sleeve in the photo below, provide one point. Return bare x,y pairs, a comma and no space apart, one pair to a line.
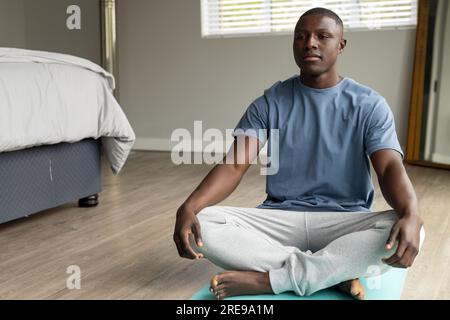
380,131
254,122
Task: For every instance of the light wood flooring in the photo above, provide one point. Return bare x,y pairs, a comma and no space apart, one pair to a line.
124,246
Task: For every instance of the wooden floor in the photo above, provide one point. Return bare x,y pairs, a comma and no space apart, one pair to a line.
124,247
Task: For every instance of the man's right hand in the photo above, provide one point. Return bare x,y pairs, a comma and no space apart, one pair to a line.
217,186
186,224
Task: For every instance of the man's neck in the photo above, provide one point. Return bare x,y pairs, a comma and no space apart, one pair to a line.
320,82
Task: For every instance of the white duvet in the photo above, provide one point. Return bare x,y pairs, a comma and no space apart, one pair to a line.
48,98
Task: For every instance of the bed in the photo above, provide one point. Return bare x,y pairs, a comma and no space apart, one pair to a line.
41,178
58,116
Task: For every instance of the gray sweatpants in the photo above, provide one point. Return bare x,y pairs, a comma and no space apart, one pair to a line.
303,252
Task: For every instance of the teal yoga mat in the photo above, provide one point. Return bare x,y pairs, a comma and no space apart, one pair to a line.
388,286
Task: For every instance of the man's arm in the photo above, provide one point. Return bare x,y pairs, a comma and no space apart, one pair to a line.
399,193
220,182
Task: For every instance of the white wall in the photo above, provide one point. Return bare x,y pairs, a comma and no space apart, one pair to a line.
170,76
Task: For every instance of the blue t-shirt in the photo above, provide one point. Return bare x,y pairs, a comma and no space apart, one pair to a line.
325,139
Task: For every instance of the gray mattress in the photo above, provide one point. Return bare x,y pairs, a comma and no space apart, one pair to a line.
40,178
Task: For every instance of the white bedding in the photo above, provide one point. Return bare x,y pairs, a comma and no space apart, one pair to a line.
48,98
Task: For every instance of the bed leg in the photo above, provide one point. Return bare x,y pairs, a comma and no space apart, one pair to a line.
88,202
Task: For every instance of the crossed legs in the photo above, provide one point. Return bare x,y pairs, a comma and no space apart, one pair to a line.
265,250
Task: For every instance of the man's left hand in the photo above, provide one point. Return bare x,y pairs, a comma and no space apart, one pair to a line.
407,232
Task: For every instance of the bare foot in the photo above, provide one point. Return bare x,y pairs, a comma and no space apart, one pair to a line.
352,287
235,283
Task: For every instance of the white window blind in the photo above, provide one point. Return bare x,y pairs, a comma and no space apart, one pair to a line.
238,17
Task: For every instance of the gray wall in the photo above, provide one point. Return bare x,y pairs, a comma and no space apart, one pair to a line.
46,28
41,25
170,76
12,23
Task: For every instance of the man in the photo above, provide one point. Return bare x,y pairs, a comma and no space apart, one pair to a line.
315,229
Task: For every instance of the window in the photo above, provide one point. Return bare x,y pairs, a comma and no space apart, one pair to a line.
240,17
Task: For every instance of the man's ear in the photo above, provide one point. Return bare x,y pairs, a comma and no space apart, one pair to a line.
342,45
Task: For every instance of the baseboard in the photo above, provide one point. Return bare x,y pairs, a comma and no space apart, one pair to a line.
152,144
440,158
158,144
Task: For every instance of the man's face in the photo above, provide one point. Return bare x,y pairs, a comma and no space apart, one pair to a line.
317,43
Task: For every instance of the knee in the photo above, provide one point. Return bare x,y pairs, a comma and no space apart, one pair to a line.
386,221
422,237
205,212
211,220
212,214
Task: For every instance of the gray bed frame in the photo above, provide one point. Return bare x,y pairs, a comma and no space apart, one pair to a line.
44,177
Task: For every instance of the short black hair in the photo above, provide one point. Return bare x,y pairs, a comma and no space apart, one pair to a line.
324,12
